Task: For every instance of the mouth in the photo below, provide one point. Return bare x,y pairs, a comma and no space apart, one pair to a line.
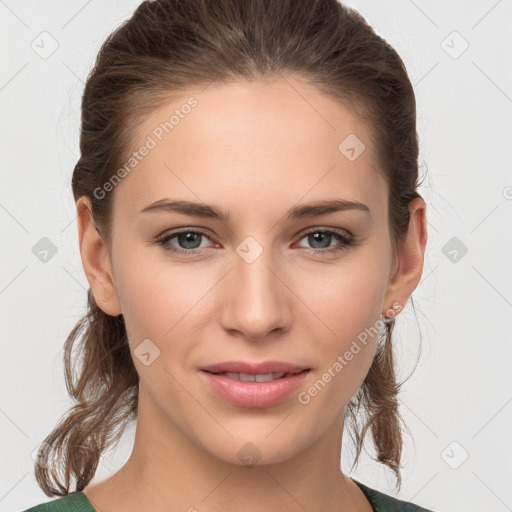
254,384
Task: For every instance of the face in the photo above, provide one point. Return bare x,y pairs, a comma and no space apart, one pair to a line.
263,284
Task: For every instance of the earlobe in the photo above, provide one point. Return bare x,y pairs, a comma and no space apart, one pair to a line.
96,260
410,255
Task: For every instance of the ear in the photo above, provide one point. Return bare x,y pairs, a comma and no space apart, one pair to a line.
96,260
409,260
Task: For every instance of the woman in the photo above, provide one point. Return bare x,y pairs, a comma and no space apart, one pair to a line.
250,226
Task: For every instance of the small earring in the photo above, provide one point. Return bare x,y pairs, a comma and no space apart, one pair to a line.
392,312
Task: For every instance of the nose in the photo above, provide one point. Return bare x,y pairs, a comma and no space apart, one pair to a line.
257,297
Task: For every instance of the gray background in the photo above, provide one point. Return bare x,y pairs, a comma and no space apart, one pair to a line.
457,404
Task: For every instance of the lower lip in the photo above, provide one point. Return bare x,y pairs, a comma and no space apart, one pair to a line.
255,394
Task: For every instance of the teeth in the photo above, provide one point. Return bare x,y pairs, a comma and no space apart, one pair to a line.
260,377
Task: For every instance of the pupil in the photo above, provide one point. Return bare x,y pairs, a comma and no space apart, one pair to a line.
316,235
189,239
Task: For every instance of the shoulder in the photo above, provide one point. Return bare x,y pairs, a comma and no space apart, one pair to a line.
384,503
74,502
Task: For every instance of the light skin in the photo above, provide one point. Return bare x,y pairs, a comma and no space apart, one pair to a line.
254,151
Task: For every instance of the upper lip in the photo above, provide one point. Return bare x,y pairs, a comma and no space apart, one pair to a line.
254,368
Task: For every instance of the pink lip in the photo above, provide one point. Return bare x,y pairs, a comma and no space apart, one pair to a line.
254,394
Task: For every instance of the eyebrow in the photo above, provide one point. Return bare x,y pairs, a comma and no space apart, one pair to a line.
298,212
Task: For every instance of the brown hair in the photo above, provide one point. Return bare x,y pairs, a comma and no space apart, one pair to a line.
164,48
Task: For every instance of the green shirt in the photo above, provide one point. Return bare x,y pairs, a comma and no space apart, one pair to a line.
78,502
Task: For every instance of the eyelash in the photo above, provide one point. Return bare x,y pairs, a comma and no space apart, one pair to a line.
345,241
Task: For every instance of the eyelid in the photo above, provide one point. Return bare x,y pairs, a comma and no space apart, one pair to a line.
339,231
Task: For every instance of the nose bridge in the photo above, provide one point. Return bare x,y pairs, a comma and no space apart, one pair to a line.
257,302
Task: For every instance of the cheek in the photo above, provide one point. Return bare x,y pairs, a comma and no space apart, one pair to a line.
347,298
145,307
347,301
346,357
161,301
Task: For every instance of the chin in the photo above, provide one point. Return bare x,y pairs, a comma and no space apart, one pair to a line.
258,450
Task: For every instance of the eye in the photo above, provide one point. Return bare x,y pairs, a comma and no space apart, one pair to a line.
324,238
189,239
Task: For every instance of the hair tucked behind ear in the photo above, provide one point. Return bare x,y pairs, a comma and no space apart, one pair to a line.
166,47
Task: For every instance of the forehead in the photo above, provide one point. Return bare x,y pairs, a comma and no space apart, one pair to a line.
248,143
